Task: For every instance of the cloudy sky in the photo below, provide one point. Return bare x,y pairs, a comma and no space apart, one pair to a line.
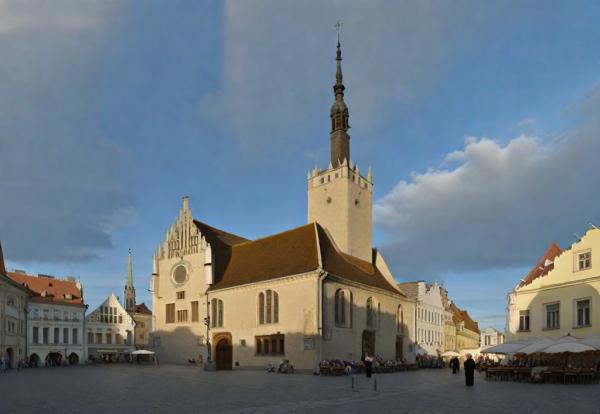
480,121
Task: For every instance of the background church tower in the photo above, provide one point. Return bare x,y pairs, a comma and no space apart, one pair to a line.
129,289
339,197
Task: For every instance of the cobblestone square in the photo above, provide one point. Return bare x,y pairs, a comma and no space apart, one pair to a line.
124,388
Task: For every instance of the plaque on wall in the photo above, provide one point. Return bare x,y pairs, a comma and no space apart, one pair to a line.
309,344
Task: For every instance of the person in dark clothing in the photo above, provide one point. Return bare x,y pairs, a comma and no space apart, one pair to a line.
469,371
368,365
455,364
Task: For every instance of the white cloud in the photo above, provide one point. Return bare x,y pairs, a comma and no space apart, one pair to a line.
40,15
498,206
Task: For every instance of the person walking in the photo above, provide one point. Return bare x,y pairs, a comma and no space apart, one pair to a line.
368,365
469,370
455,364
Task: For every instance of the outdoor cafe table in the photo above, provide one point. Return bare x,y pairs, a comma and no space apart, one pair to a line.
508,373
569,376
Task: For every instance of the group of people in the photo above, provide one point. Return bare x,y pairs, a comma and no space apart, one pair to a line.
5,363
469,366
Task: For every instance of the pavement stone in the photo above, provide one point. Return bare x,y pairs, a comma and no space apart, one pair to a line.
146,389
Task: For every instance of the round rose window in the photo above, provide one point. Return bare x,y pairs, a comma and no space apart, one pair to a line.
180,274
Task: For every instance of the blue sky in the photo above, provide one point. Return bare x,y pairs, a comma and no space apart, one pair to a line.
479,120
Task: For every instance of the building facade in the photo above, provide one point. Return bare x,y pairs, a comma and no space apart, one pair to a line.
55,319
13,317
431,315
490,337
317,291
559,295
467,330
110,331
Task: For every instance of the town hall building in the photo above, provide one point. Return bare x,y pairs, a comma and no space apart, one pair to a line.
318,291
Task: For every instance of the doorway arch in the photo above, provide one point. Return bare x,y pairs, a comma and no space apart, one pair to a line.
368,342
73,359
223,352
34,361
11,357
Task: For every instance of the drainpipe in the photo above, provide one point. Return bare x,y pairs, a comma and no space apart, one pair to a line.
322,276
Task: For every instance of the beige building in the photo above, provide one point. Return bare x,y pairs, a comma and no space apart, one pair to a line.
317,291
143,326
467,330
490,337
13,331
110,330
449,326
560,293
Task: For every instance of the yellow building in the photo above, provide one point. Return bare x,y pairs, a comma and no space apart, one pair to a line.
318,291
467,330
559,294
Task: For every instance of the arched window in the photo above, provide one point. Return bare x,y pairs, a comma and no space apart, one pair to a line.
400,320
268,307
343,308
216,314
10,301
372,314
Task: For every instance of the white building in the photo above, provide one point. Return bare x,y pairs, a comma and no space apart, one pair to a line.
430,315
110,331
490,337
55,317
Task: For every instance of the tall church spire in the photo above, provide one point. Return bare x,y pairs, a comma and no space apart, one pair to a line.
129,289
340,140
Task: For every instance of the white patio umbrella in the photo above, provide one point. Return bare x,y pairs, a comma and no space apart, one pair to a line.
572,347
537,346
592,341
142,352
450,354
505,348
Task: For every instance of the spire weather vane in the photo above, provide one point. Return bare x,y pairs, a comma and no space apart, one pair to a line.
338,26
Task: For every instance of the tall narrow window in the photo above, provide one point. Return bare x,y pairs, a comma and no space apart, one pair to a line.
216,316
343,308
524,320
583,313
55,336
268,307
195,313
372,314
400,320
170,313
90,337
36,335
75,337
261,308
65,336
552,316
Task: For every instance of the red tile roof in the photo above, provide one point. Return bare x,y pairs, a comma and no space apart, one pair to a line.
239,261
459,315
56,290
540,268
142,308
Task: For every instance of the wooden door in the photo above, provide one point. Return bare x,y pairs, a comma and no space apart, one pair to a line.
224,354
368,343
